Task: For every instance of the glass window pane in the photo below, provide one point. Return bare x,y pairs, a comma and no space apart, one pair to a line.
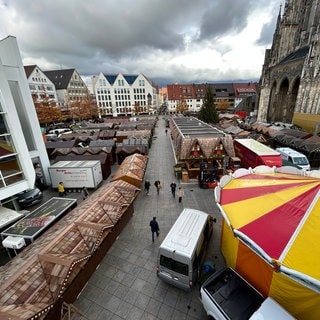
6,146
10,170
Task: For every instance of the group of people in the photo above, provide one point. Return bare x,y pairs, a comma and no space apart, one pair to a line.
173,186
180,191
155,230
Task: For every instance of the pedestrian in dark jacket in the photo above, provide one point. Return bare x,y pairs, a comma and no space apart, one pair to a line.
157,184
173,187
84,193
154,228
147,186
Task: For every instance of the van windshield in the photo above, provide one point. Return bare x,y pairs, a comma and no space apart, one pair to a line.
300,160
173,265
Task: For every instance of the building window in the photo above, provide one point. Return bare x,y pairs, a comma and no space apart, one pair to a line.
10,169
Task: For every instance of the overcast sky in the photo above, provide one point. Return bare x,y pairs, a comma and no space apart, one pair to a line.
169,41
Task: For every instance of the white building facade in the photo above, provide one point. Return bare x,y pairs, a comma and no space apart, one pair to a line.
21,140
125,95
41,87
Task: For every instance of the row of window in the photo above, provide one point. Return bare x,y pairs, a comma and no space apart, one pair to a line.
108,111
41,88
121,97
76,84
75,91
35,79
105,104
101,91
139,90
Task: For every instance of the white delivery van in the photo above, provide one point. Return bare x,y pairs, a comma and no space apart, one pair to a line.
182,252
296,158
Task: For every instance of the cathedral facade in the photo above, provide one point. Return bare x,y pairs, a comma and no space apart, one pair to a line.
290,80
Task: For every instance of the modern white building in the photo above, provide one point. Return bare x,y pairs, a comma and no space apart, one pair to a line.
125,95
21,140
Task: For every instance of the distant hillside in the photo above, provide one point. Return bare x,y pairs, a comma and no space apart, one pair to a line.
164,82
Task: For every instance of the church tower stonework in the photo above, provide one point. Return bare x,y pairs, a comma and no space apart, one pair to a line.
290,79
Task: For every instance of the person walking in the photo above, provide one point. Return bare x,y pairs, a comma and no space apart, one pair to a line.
84,193
180,194
154,228
173,187
157,184
61,190
147,187
166,131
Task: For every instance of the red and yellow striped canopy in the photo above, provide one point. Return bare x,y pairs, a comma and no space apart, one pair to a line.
278,216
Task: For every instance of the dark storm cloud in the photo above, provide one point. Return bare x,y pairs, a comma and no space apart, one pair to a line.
158,38
224,17
116,27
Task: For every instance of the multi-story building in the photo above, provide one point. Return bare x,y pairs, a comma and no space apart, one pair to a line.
125,95
227,95
189,95
70,88
40,85
21,141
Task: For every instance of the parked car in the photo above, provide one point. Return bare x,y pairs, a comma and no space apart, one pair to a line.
29,197
59,132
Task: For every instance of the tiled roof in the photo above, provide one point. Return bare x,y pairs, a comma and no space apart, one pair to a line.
38,276
132,169
60,78
299,54
28,69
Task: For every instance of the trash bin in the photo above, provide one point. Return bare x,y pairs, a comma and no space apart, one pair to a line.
185,176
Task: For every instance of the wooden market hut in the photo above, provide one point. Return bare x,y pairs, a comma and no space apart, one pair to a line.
51,272
58,144
199,145
132,170
109,145
131,146
107,134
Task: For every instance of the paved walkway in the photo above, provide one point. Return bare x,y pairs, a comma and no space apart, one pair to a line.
126,286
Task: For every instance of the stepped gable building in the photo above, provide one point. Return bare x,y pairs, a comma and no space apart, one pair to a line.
290,80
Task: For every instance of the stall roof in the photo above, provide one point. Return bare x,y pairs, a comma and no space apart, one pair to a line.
81,151
102,143
132,169
193,127
59,144
37,277
134,134
107,134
